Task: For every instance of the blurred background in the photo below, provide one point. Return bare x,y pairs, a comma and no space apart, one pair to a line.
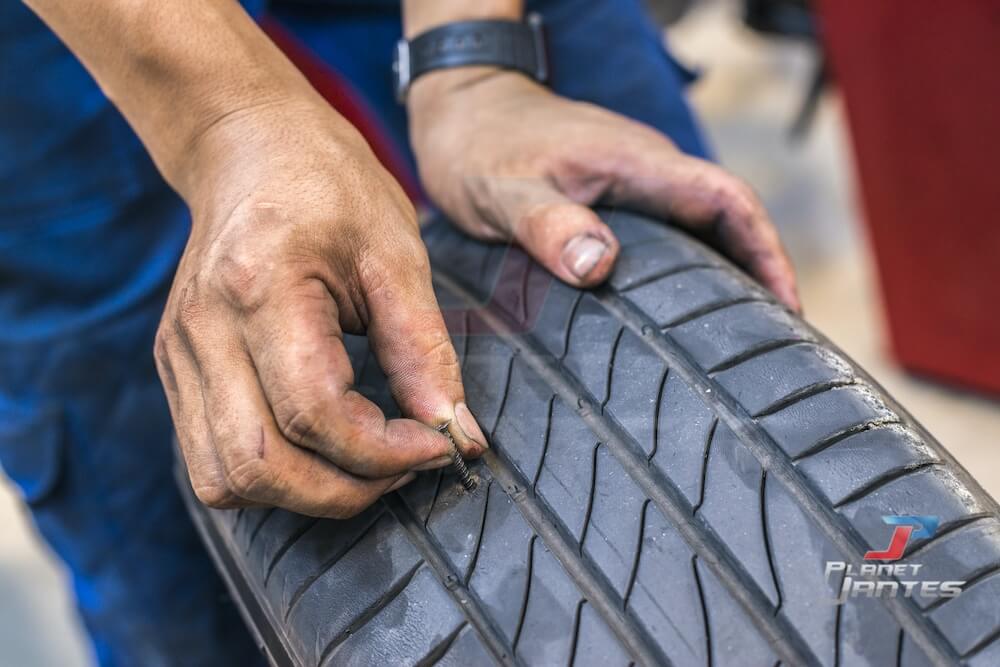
776,118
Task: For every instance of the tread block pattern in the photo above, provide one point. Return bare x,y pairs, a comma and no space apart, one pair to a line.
595,645
933,491
591,347
306,559
684,429
523,425
457,522
868,634
763,382
801,581
732,506
409,628
641,374
973,617
551,325
486,374
676,297
345,592
615,525
961,555
466,650
809,423
566,480
546,632
734,640
281,528
665,597
500,577
725,335
856,462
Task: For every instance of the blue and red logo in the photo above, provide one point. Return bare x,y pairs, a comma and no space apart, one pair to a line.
906,527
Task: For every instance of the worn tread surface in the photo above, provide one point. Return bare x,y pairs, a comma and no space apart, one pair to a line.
674,458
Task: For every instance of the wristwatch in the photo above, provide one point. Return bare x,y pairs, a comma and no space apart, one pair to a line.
512,45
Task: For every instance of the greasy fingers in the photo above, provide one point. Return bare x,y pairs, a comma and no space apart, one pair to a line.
408,336
705,198
296,345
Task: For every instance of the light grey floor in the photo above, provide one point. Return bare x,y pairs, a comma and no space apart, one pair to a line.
747,94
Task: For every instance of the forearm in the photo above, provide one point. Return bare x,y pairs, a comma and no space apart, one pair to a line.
175,69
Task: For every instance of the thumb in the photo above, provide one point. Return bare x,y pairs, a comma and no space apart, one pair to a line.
408,336
567,238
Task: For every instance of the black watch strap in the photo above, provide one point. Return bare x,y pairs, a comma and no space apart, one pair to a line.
507,44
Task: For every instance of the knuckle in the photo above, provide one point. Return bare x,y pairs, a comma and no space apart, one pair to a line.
214,494
238,280
298,421
190,309
250,478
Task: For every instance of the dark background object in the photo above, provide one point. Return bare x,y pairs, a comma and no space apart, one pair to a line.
922,96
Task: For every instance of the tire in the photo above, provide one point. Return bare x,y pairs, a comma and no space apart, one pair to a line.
675,458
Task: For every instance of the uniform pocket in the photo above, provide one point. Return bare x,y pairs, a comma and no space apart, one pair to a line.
31,448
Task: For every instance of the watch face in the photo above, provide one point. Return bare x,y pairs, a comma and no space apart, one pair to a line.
401,70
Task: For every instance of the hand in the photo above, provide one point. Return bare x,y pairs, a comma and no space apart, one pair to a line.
299,235
507,159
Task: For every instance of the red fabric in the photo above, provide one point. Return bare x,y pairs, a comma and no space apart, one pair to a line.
922,96
338,91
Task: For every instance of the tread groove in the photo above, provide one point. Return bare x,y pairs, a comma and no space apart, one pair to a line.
974,578
887,478
503,400
439,651
465,600
683,268
527,592
668,498
590,497
437,493
983,643
836,635
704,465
591,583
545,443
704,611
326,565
752,353
920,547
709,309
803,394
482,531
638,554
256,531
371,612
656,413
830,441
836,527
576,632
285,546
767,539
611,367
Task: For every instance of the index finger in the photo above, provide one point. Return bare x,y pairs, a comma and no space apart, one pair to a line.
296,344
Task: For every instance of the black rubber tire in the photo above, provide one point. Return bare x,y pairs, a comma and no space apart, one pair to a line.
674,459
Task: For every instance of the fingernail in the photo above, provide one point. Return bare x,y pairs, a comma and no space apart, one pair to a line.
434,464
582,254
402,481
468,424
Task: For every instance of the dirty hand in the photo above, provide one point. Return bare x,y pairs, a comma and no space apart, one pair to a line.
300,235
508,159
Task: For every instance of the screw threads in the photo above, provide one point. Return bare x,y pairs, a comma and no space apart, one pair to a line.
469,480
